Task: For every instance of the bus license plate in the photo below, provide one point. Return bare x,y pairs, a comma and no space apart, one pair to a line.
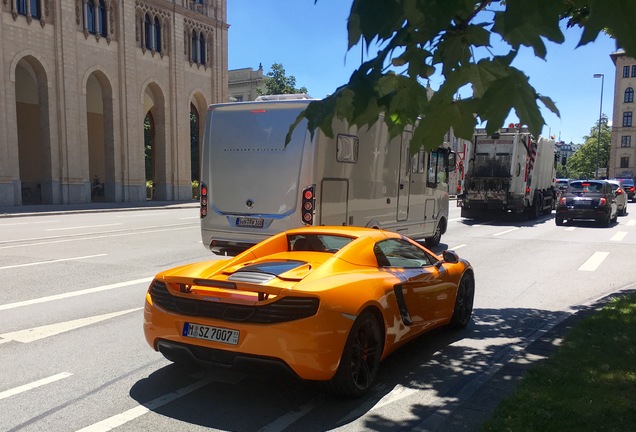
249,222
215,334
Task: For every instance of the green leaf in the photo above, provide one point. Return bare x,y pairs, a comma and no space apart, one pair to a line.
511,92
526,22
617,18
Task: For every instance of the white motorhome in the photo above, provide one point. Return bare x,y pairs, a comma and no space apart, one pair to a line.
254,185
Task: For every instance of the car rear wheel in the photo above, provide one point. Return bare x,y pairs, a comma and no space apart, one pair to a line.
558,220
434,241
360,360
464,302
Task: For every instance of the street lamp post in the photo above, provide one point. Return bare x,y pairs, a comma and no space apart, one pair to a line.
600,115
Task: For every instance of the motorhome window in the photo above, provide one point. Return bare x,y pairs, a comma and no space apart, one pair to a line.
255,129
437,167
347,148
417,162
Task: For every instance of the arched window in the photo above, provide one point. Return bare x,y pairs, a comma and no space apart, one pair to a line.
629,95
148,31
157,35
21,7
202,48
195,47
101,18
35,9
90,16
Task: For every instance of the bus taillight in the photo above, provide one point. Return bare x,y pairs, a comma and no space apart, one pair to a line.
308,205
203,212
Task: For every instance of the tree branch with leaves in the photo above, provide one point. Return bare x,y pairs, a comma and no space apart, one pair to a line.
454,38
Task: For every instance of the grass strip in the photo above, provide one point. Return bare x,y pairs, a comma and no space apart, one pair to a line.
587,384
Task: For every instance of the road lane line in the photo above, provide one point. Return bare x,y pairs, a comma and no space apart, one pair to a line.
73,293
594,261
570,229
50,261
123,418
35,384
457,247
284,421
82,227
37,333
619,236
88,236
28,223
506,232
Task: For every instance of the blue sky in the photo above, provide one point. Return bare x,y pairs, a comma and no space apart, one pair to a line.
310,41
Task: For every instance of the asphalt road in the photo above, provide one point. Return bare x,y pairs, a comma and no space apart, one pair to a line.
74,356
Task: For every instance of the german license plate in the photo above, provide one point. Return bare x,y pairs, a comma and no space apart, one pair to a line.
249,222
215,334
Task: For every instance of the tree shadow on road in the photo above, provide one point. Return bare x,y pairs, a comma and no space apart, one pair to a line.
432,375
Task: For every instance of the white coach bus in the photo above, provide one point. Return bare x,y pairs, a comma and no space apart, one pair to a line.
253,185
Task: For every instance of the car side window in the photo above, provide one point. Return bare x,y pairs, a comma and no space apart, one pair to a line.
400,253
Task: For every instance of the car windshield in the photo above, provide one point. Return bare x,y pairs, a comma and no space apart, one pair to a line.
627,182
586,186
614,186
317,242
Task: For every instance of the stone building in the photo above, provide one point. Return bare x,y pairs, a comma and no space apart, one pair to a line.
244,84
622,160
106,91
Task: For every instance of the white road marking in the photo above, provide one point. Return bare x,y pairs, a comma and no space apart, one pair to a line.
37,333
455,219
193,217
570,229
594,261
457,247
106,234
283,422
50,261
73,293
82,227
619,236
144,215
506,232
28,223
631,222
123,418
21,389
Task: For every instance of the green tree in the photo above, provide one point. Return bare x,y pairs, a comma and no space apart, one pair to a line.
418,38
582,164
277,82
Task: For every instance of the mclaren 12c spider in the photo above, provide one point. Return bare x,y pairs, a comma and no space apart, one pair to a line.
328,303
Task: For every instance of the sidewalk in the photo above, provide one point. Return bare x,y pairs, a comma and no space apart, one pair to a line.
48,209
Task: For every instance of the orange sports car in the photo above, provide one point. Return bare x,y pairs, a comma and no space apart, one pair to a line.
328,303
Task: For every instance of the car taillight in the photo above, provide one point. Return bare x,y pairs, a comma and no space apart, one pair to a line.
602,202
203,212
562,201
619,191
308,203
527,191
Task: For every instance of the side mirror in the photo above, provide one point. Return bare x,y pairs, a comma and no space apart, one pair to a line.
448,256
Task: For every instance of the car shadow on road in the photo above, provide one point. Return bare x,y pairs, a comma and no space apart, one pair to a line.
430,378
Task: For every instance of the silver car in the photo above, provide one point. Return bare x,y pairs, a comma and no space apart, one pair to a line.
621,196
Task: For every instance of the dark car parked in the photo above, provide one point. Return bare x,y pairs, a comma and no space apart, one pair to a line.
628,186
587,199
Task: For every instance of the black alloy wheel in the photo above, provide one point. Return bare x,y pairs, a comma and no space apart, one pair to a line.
464,302
360,360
